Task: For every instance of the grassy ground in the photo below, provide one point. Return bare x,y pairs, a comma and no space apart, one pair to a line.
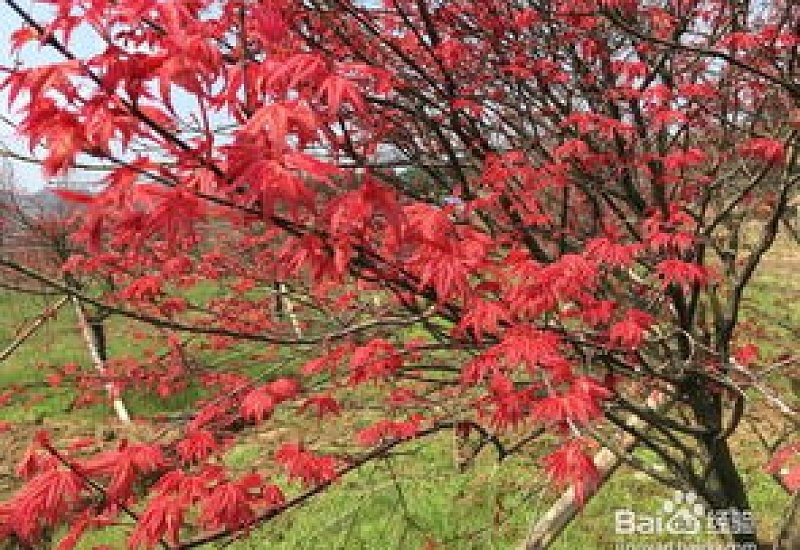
415,500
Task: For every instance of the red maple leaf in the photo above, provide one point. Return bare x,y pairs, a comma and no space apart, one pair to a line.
570,465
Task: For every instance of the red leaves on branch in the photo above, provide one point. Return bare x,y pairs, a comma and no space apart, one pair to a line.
43,502
741,41
533,349
34,461
222,503
322,404
123,466
766,150
326,362
74,196
22,36
196,446
480,208
580,404
144,289
747,354
484,317
611,253
384,430
630,331
306,466
258,404
681,273
683,159
162,519
670,233
780,464
227,506
60,130
572,466
338,90
375,360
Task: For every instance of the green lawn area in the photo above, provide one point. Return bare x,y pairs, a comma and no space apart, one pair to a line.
417,499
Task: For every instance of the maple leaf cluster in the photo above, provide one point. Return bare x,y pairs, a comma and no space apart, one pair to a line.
511,213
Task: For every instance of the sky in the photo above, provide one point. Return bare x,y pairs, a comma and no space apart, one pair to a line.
28,176
83,43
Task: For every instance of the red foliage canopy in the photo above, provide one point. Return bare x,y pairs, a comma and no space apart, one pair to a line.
502,212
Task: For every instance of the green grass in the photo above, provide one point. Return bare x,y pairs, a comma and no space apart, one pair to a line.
52,344
58,343
415,500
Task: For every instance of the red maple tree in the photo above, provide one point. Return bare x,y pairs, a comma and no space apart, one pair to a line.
517,218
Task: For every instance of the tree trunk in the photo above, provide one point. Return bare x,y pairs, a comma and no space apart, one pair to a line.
550,525
723,486
727,491
94,337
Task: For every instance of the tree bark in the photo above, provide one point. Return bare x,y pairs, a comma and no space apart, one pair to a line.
94,336
549,526
723,486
